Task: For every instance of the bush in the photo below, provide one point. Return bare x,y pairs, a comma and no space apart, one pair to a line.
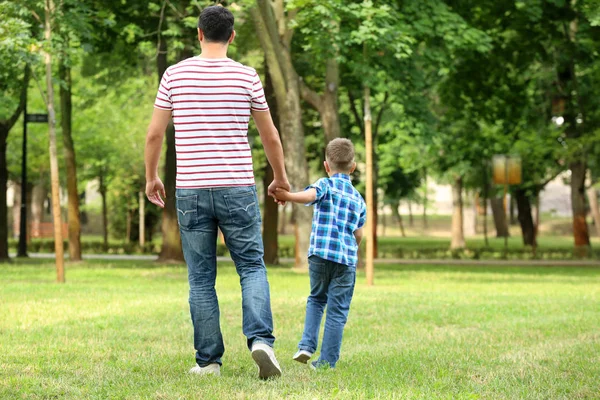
386,250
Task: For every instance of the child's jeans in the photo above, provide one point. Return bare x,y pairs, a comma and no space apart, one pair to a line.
331,285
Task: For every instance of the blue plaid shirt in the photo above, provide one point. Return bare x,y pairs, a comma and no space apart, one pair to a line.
339,211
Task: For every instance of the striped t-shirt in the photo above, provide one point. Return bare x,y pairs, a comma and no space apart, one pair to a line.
211,101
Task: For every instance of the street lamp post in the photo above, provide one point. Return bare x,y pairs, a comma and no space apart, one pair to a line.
506,171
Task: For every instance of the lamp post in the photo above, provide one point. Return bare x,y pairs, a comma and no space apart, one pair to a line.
507,171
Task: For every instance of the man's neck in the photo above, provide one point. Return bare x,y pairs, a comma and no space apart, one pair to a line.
213,50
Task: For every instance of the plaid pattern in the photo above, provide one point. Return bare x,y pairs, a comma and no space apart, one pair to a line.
339,211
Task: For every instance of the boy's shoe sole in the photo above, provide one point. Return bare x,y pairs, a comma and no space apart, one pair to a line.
302,357
264,357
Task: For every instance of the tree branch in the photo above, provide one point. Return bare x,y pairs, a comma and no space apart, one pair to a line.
269,24
289,33
266,40
357,117
310,96
159,30
380,114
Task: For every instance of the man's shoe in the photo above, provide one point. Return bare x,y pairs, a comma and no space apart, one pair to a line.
264,356
210,369
302,356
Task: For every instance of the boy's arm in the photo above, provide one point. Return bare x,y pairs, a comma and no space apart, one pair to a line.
358,235
305,197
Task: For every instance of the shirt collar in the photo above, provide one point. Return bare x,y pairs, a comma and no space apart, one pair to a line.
341,176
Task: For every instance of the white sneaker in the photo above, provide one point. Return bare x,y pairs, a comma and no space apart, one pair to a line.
210,369
264,356
302,356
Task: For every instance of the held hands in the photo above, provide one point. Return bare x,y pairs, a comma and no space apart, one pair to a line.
275,187
155,191
282,195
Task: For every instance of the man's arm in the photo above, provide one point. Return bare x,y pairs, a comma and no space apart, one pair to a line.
358,235
273,149
154,139
308,196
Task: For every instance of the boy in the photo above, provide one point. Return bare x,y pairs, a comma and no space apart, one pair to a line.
339,216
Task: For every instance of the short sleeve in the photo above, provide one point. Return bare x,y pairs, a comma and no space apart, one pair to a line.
163,97
321,187
259,101
363,215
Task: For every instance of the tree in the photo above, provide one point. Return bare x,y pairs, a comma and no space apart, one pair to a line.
15,40
275,36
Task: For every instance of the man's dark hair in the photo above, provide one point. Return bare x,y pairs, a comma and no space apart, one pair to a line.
217,24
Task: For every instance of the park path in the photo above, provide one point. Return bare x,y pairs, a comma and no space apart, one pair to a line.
380,261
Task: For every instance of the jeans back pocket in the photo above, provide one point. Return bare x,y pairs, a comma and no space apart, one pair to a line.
187,211
243,207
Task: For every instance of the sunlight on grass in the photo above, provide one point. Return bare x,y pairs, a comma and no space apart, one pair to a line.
122,330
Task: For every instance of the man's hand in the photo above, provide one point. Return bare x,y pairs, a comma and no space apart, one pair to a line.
155,191
278,184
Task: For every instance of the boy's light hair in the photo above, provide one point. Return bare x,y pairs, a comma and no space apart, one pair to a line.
340,155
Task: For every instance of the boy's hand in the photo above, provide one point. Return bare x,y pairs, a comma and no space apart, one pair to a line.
282,194
282,184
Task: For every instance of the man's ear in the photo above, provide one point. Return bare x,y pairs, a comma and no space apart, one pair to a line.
353,167
326,165
200,35
231,37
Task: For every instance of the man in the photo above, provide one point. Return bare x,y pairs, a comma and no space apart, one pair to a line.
211,99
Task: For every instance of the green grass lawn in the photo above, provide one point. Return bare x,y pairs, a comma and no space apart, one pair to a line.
121,330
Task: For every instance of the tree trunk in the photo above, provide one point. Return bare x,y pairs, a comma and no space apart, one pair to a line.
411,219
38,196
271,209
458,237
327,103
70,161
525,218
398,217
286,86
102,191
593,200
5,127
513,217
171,249
425,200
580,228
282,220
330,111
499,217
142,219
270,221
128,227
3,189
485,213
16,209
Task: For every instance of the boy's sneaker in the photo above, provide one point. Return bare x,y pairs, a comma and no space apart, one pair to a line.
319,365
264,356
210,369
302,356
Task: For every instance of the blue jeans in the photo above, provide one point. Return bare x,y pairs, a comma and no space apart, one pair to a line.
235,211
331,285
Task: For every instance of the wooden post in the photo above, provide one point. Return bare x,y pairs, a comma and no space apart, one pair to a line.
505,200
142,200
56,212
369,267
